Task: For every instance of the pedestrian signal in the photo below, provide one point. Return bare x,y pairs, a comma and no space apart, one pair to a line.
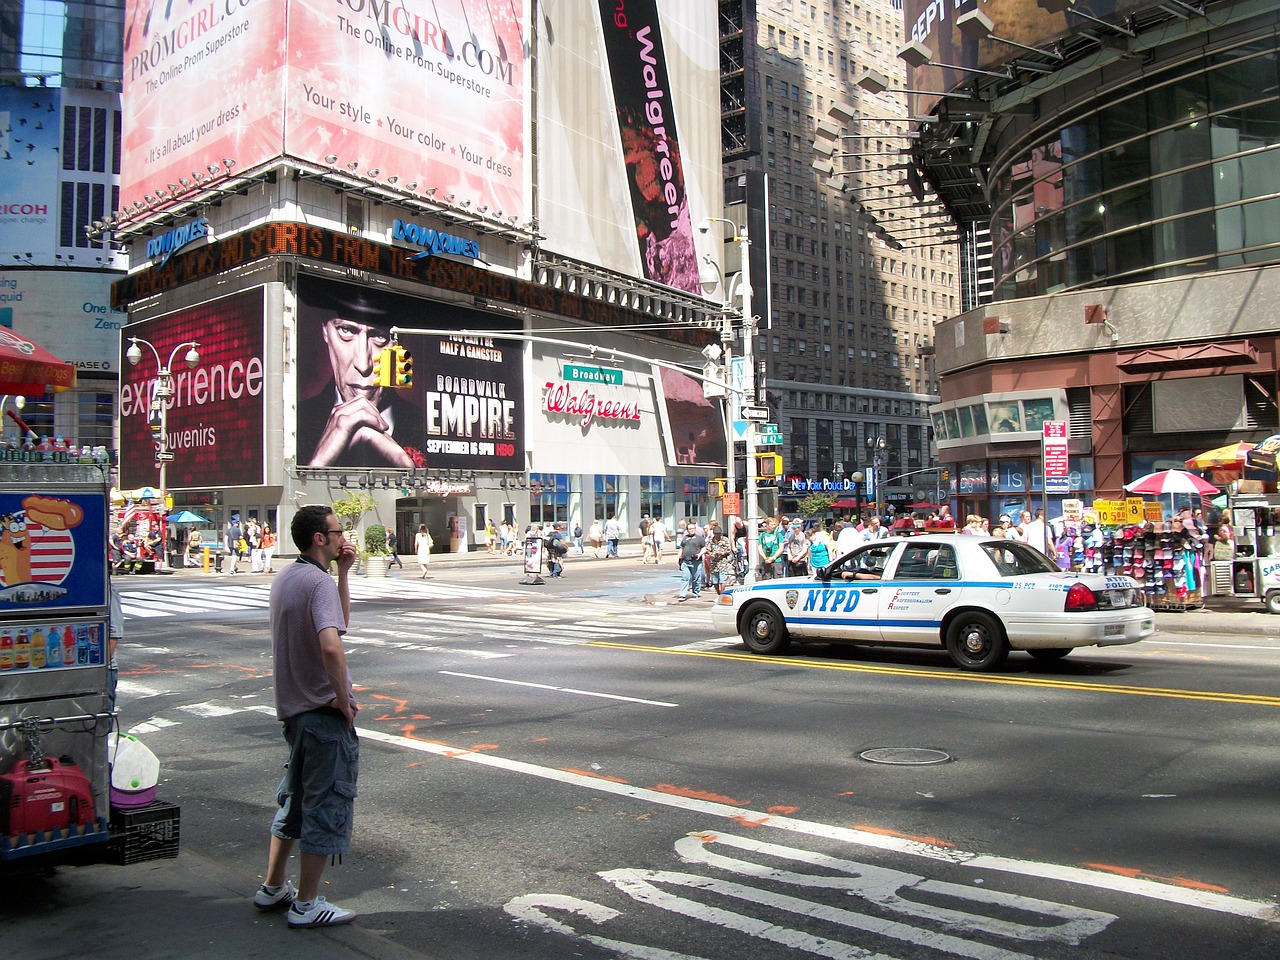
383,367
768,466
717,486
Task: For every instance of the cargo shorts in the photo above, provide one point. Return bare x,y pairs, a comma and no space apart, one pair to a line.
317,794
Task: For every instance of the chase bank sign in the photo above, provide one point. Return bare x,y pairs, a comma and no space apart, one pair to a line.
434,241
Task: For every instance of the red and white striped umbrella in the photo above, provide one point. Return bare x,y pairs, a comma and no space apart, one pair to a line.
1165,482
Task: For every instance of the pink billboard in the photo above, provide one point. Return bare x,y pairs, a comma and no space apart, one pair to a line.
202,84
428,93
431,94
215,418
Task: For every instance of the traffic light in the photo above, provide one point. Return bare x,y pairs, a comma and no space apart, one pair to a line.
946,476
402,375
768,467
717,486
383,367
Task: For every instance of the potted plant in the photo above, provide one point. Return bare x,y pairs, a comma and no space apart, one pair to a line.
376,552
349,508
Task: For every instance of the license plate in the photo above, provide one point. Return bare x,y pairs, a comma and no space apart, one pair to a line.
1113,630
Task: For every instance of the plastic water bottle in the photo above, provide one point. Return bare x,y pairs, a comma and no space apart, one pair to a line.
53,648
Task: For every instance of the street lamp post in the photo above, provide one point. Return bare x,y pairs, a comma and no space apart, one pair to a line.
160,400
857,477
748,386
876,445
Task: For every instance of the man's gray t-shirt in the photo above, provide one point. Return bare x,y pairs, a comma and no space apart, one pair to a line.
304,601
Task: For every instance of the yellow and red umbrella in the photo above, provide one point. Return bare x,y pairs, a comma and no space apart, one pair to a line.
1230,457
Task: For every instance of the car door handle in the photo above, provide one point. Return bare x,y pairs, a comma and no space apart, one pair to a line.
942,591
870,589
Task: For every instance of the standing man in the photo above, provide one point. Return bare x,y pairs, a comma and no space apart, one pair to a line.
394,548
691,550
316,701
769,544
231,536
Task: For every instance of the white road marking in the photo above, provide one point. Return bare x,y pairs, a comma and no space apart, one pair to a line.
547,686
715,643
1134,886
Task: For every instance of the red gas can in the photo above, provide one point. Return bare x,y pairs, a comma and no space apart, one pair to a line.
47,799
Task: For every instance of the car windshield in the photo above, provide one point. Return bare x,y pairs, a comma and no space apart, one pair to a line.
1013,559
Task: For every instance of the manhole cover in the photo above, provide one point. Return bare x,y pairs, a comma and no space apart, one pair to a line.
905,756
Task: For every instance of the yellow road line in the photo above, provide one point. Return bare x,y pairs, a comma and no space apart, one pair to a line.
1053,683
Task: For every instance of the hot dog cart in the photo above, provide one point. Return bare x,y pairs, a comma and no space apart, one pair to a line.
55,710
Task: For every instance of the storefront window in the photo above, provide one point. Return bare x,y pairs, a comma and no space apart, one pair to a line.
549,497
654,492
608,496
694,501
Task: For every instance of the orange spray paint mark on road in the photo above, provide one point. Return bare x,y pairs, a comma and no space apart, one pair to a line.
1134,873
593,775
697,794
782,811
745,822
477,747
400,705
847,793
934,841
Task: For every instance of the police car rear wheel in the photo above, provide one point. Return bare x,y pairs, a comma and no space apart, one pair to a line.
975,641
763,629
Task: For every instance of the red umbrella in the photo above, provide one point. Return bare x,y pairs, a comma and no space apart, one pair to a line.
29,370
1164,482
845,504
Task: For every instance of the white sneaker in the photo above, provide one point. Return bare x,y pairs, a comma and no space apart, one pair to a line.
264,899
318,913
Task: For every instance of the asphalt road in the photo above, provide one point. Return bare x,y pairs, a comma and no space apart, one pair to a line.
569,770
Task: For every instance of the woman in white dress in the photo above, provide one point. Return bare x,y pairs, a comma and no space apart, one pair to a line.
422,544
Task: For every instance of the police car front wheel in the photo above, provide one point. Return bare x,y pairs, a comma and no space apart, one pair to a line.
763,629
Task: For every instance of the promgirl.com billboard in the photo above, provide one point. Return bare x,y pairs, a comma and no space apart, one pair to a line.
432,94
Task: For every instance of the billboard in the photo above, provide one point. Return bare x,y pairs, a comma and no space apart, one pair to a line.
215,417
30,165
1025,24
68,312
201,85
465,409
433,95
637,146
429,93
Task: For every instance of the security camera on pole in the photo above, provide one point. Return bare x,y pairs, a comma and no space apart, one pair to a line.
751,394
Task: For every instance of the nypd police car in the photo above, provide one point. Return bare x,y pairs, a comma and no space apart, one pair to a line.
977,597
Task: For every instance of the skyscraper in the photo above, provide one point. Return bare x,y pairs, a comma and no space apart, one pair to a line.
860,265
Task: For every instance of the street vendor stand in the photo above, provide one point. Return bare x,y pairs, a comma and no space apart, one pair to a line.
56,711
1254,569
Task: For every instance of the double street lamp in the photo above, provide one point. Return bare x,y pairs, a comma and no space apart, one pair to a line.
161,399
748,395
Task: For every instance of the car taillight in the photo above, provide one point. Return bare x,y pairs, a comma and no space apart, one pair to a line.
1080,597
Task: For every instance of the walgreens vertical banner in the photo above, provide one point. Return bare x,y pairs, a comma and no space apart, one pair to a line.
215,417
430,93
202,84
651,149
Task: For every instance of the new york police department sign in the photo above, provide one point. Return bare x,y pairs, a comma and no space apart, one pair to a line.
434,241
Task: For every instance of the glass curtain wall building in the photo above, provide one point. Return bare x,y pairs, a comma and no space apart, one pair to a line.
1128,178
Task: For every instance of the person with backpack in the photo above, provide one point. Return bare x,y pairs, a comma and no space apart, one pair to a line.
556,548
232,534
